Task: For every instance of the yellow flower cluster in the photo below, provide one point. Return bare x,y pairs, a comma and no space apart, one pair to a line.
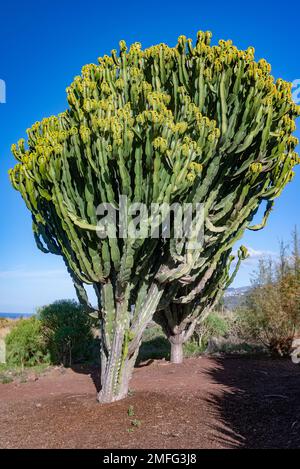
88,70
160,144
295,158
287,123
115,101
197,167
105,88
120,84
162,49
190,177
154,117
180,127
118,125
292,142
85,133
255,168
157,99
106,61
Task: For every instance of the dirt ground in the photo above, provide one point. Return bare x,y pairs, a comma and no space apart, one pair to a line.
203,403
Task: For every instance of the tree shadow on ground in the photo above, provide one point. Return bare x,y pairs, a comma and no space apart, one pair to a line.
92,369
259,402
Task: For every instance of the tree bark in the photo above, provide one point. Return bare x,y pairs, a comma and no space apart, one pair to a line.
178,327
176,352
177,340
120,345
115,379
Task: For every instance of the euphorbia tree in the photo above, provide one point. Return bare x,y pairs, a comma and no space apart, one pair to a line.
165,125
179,314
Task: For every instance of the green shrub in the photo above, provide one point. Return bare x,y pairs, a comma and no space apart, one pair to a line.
193,348
271,310
214,325
271,315
25,344
67,331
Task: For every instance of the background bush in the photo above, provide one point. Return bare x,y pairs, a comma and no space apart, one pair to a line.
271,315
68,332
25,344
214,325
271,310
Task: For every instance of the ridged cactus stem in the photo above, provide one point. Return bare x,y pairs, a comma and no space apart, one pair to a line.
121,332
115,375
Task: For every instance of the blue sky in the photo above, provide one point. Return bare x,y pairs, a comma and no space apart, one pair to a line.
43,46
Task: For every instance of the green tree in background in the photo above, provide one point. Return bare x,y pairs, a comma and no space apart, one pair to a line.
67,331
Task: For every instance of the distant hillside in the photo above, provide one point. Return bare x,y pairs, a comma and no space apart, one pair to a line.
233,297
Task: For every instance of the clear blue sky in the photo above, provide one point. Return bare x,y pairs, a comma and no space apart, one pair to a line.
43,46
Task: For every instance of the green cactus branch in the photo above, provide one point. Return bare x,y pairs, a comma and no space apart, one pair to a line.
267,213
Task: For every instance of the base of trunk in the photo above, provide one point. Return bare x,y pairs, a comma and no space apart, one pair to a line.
115,380
176,348
176,353
104,397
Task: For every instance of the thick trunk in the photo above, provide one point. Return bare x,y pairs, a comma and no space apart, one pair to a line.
106,395
177,341
176,352
115,378
120,341
177,326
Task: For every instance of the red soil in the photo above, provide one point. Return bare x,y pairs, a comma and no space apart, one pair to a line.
203,403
